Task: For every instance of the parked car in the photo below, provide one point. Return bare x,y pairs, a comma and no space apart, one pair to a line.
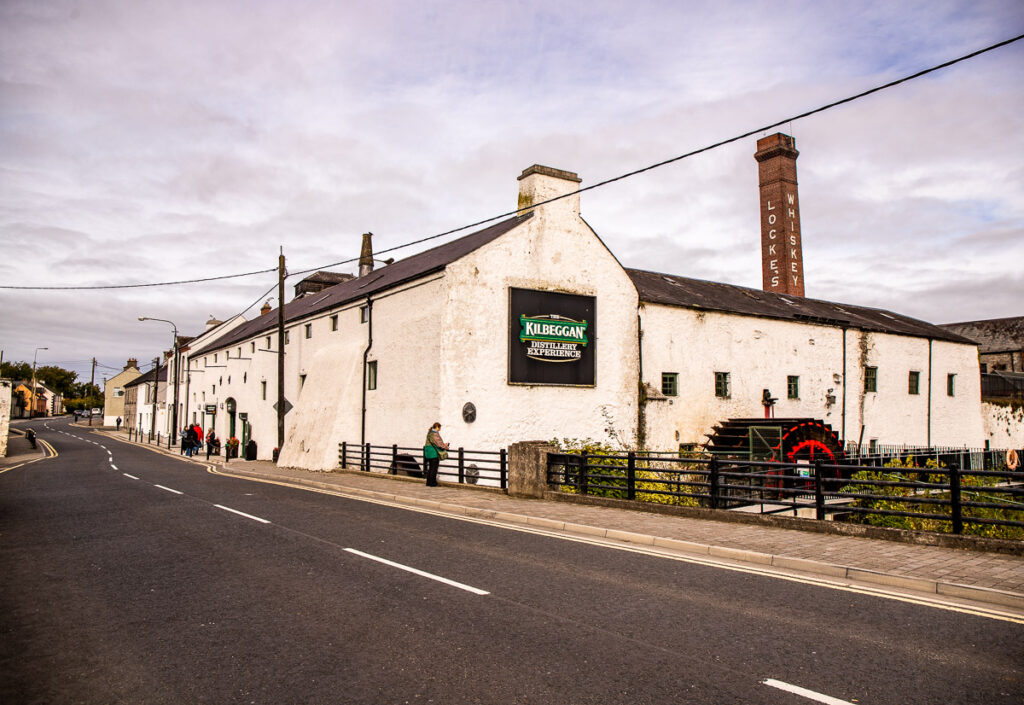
97,412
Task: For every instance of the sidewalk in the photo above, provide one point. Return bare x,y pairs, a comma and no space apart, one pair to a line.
20,451
992,578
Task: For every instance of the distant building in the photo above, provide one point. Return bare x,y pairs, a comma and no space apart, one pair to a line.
114,392
1000,342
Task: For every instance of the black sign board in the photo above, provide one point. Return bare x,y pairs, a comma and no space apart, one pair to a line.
552,338
211,408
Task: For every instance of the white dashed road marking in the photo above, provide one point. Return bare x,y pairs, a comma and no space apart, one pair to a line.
168,489
243,514
803,692
438,578
129,476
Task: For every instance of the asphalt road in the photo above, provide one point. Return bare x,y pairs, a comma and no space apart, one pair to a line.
130,577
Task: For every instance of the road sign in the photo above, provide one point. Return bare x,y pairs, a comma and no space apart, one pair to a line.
287,406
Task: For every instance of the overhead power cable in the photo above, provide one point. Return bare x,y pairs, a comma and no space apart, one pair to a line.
136,286
599,184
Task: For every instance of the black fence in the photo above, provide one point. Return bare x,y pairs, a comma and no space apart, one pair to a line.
878,455
466,467
945,499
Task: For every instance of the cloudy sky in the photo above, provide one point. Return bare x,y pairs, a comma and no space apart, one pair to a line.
152,141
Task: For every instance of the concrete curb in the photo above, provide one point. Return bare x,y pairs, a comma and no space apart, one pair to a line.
803,565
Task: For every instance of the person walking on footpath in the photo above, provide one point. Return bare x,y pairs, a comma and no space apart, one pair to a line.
184,441
189,441
434,451
211,441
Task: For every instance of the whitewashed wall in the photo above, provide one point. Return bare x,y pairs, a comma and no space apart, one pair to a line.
553,251
1004,425
761,353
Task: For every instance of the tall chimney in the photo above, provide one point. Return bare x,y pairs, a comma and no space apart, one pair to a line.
132,362
265,308
782,262
366,255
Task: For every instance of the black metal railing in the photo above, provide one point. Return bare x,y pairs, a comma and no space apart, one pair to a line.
946,499
467,467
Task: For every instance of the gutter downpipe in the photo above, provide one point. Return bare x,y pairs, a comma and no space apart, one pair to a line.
929,443
845,329
366,354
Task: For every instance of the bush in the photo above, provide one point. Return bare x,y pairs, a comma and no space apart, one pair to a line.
891,498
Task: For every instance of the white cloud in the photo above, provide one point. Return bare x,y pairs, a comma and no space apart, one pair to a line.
150,142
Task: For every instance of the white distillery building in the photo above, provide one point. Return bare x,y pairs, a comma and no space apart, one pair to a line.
531,329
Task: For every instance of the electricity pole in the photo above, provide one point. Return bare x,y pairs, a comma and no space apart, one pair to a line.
92,381
280,350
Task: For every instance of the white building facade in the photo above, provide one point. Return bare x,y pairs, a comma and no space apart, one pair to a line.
532,330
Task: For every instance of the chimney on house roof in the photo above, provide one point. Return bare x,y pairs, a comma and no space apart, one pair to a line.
366,255
782,262
265,308
132,362
541,183
212,323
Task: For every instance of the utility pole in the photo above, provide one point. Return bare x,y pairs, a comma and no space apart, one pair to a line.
92,381
156,392
280,350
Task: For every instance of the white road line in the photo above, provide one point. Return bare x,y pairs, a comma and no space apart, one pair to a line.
243,514
438,578
803,692
168,489
113,466
129,476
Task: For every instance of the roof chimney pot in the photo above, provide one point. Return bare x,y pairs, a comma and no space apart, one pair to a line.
366,255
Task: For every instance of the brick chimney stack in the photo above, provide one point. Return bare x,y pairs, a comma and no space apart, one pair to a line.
782,262
366,255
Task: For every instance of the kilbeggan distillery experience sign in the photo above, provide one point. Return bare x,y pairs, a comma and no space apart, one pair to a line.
551,338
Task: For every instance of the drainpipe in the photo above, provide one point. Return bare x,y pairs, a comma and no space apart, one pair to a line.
366,354
844,389
641,397
929,443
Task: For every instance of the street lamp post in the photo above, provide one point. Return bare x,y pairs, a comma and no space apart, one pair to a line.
173,433
32,404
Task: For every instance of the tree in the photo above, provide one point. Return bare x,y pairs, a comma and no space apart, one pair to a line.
16,370
58,379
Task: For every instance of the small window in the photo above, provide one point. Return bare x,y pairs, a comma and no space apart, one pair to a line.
371,374
302,381
914,382
268,342
213,389
722,385
245,377
873,446
670,383
951,385
364,314
793,387
870,379
334,322
239,351
263,390
287,337
252,347
215,358
984,367
309,331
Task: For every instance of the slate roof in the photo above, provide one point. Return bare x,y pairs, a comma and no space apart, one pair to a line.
995,335
392,275
672,290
